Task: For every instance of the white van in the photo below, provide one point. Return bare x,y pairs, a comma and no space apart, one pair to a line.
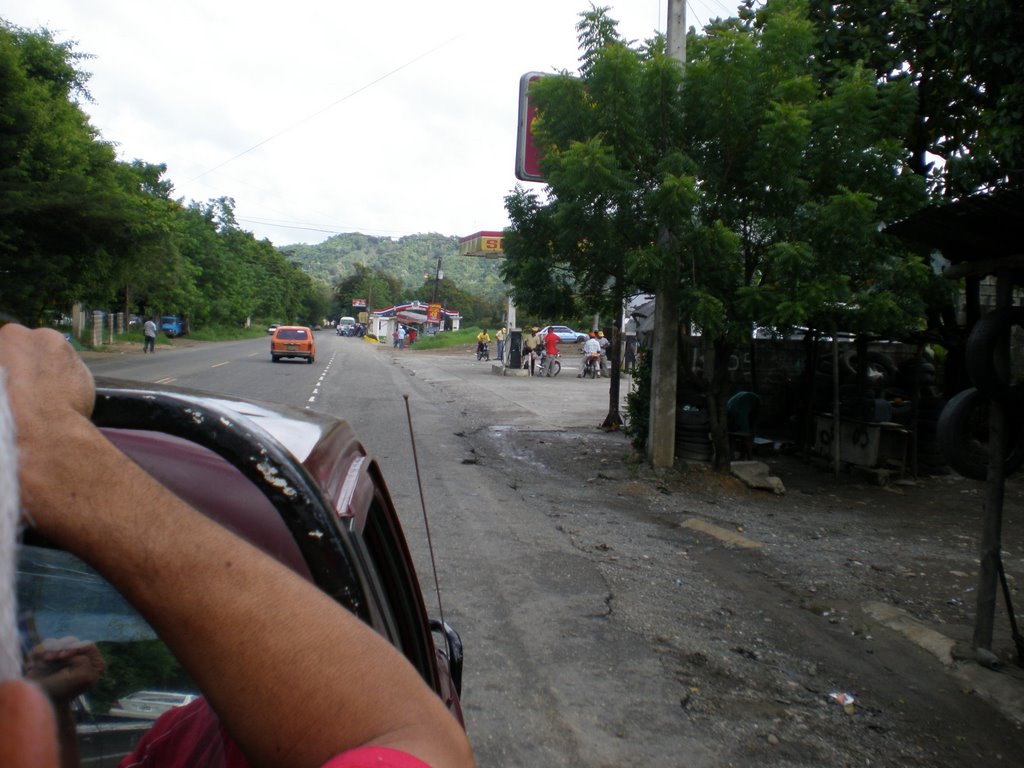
346,326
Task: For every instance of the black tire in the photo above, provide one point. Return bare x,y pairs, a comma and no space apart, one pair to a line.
877,362
693,418
275,359
310,360
980,353
687,456
556,368
963,436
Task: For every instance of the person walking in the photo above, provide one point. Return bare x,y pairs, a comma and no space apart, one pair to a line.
149,336
402,333
499,336
604,352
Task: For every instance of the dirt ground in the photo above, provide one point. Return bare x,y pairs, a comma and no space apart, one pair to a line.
768,623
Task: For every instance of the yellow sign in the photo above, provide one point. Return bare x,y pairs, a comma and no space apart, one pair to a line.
485,244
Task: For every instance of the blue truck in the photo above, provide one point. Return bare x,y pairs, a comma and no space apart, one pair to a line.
173,325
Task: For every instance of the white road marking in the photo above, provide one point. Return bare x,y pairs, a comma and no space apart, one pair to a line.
168,380
316,388
218,365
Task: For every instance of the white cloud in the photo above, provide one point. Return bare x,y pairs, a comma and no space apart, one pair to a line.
333,137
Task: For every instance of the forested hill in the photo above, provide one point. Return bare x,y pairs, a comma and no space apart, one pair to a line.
408,258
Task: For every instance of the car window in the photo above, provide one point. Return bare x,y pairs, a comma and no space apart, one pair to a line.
292,333
400,602
59,596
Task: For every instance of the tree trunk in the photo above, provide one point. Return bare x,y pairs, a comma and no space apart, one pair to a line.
613,421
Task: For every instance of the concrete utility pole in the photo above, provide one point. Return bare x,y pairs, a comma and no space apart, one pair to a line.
661,431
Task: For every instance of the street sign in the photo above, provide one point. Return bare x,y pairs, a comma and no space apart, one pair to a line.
486,244
528,154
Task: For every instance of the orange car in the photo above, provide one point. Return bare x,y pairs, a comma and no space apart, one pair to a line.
292,341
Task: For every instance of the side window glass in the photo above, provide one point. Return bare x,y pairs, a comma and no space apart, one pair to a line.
126,679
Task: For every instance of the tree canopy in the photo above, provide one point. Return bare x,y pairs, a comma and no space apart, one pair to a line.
963,60
77,224
758,175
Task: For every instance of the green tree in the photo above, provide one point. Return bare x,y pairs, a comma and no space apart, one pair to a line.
70,213
965,63
761,184
605,134
378,287
798,173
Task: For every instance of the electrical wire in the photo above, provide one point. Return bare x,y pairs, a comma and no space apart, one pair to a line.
330,106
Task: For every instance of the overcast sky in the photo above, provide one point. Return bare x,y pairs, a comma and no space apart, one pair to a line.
327,116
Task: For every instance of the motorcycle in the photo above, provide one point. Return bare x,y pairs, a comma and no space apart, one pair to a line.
592,365
483,350
556,365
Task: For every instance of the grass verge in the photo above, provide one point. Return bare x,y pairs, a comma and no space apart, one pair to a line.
447,339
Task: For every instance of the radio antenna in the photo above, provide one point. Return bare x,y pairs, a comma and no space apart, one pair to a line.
423,506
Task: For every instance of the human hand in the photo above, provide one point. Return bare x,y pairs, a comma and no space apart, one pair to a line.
65,668
50,391
44,375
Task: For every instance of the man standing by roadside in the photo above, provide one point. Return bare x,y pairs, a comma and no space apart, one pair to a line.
499,336
149,336
551,352
531,345
401,336
604,352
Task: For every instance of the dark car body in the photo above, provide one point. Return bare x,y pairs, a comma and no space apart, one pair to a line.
294,483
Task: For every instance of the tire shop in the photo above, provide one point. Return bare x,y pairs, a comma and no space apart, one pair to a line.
979,429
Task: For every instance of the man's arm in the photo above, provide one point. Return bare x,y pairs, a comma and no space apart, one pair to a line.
295,677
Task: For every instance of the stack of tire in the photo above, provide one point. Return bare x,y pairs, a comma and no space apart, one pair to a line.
693,434
881,374
963,427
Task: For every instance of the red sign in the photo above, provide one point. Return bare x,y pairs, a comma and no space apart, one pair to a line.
434,313
358,302
528,154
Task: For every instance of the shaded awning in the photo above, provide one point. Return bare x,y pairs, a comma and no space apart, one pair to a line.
973,229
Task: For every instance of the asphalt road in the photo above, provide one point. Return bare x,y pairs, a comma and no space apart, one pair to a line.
615,617
540,664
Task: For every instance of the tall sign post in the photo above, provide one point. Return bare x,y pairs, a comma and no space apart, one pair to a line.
489,245
661,431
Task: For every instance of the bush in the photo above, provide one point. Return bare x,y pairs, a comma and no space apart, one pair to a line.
638,402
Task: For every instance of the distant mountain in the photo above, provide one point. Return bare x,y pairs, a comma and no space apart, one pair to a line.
408,258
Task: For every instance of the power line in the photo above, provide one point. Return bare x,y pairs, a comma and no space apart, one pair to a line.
324,228
330,106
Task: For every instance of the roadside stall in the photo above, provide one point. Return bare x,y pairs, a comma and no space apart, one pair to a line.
981,429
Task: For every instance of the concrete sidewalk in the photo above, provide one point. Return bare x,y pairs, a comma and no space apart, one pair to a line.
528,402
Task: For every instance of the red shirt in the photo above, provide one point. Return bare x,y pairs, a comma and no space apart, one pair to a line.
551,343
375,757
191,736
